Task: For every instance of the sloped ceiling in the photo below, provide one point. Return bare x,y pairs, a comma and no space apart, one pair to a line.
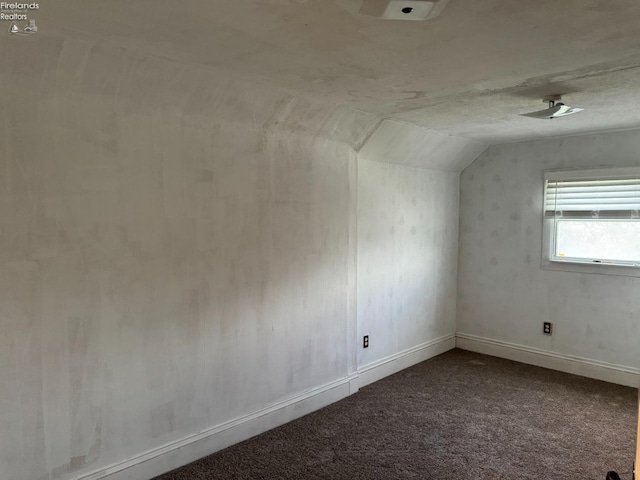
465,75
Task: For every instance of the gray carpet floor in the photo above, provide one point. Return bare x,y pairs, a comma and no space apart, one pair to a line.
460,415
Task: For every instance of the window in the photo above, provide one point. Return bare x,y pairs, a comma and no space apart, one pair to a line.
593,217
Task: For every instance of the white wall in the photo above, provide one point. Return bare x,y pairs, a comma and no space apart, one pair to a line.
179,259
407,255
176,281
407,244
503,293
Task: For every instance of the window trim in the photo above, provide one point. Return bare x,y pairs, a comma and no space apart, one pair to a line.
592,266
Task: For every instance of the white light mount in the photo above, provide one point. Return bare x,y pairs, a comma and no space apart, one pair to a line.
403,9
556,109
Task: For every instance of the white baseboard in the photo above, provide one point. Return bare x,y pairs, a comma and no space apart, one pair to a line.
608,372
186,450
181,452
167,457
374,371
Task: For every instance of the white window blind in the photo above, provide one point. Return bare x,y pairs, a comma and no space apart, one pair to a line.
603,194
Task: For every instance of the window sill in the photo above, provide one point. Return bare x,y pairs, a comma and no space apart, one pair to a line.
596,268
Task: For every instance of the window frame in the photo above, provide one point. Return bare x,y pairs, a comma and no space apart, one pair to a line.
549,227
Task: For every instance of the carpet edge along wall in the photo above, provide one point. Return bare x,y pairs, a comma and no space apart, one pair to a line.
186,450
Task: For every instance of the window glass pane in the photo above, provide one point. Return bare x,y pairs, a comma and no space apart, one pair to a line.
599,239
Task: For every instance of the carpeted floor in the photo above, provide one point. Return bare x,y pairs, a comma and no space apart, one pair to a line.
460,415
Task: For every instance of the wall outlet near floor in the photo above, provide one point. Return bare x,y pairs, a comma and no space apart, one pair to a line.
365,341
547,328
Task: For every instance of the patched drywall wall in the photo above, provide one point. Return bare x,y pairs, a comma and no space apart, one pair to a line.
407,254
503,293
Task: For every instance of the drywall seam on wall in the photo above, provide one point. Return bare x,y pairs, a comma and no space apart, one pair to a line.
193,447
586,367
384,367
352,271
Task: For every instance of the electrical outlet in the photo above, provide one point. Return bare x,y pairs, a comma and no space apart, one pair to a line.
365,341
546,328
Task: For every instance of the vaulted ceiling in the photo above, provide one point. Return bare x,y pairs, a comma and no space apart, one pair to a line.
467,73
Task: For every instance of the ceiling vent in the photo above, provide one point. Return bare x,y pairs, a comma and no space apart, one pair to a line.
403,10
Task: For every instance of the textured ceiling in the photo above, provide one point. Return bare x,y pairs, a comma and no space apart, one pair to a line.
467,73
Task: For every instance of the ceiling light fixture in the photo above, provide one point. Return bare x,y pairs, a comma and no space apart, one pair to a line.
402,9
556,109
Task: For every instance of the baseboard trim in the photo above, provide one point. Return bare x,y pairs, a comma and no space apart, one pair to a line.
172,455
374,371
586,367
175,454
